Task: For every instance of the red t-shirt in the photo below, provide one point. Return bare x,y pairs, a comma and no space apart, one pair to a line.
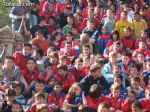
20,60
29,77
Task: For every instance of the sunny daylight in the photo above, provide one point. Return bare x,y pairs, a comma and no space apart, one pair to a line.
74,55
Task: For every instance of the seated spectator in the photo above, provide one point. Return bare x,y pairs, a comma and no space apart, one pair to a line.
85,41
138,25
9,101
94,77
77,69
19,96
57,97
126,106
69,38
73,98
115,98
42,108
40,40
137,107
30,74
109,21
128,42
69,52
146,72
135,86
116,48
39,99
142,48
95,97
10,72
103,38
16,107
65,77
68,26
103,107
107,69
48,75
126,63
21,57
38,55
113,38
145,101
93,34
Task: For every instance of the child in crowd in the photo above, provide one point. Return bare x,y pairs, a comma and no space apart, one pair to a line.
137,107
135,85
126,106
65,77
47,75
19,96
103,107
77,69
103,38
39,99
95,97
39,59
16,107
146,101
10,99
115,98
42,108
73,99
56,98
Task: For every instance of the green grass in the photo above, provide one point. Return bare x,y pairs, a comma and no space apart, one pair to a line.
4,14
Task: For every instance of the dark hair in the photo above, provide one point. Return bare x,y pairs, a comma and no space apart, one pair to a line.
10,92
48,65
40,52
27,45
136,79
137,104
126,54
31,59
62,67
95,90
58,83
115,32
118,76
40,81
41,18
17,103
9,57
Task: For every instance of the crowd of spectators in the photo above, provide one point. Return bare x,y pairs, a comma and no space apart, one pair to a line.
78,56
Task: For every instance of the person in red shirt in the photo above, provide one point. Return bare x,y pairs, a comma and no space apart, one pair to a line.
69,38
146,101
73,99
56,98
95,97
40,40
142,48
39,99
77,69
47,75
144,37
69,52
21,57
42,108
115,98
126,106
48,10
90,16
128,41
30,74
65,77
